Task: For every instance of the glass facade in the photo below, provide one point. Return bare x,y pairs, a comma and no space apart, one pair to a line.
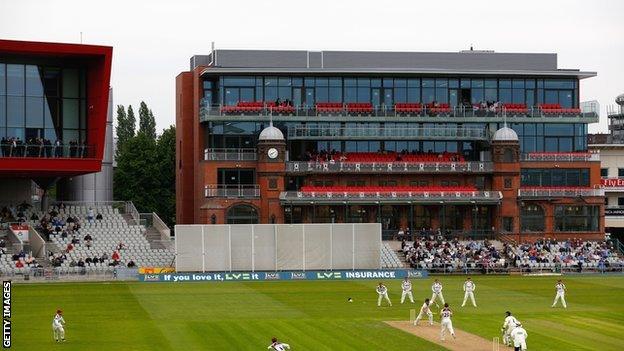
550,137
555,177
571,218
386,91
40,101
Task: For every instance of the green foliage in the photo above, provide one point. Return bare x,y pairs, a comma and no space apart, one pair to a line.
147,122
125,125
145,172
309,315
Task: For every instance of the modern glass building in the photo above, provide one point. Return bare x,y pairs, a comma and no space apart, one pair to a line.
408,121
53,112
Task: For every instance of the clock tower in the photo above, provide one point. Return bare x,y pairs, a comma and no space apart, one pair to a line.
270,173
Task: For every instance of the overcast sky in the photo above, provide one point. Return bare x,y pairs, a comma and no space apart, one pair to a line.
153,40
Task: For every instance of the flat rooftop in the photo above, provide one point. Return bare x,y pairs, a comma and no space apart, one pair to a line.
463,62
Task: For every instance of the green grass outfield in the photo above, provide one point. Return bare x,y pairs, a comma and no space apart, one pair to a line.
309,315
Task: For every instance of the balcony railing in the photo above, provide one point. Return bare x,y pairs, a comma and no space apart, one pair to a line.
386,133
7,149
390,111
232,191
248,154
438,197
559,192
303,167
560,156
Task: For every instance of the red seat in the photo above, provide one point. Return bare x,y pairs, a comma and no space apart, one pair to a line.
359,108
329,107
405,107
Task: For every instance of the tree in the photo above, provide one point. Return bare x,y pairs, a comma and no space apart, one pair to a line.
125,125
136,176
165,159
147,123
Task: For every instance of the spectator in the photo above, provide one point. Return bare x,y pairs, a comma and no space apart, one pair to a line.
19,264
70,247
90,215
131,264
115,256
99,217
121,246
80,263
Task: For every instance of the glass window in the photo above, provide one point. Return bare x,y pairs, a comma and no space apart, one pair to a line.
504,83
442,95
363,94
34,112
532,218
15,111
2,79
571,218
427,83
504,95
2,112
413,94
559,84
15,79
517,96
286,81
465,83
518,84
227,81
604,172
530,83
490,83
363,82
335,82
453,83
560,129
376,82
441,82
551,96
34,85
350,94
70,113
620,172
71,83
413,83
565,98
490,95
477,83
428,95
387,82
335,94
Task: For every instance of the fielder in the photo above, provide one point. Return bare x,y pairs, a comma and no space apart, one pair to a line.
561,288
406,285
382,291
278,346
445,322
57,326
437,291
508,325
424,310
469,288
519,335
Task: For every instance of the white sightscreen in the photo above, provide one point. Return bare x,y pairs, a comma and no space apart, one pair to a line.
271,247
189,251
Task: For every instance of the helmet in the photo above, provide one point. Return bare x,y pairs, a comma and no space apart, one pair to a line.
59,312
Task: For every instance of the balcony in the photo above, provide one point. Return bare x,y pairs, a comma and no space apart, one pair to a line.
549,192
232,191
395,113
248,154
560,157
303,167
303,132
375,195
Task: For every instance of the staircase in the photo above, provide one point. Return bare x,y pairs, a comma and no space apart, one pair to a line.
153,236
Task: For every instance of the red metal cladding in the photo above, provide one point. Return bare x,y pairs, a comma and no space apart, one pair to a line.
98,60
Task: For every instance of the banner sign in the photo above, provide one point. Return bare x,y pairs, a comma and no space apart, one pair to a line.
21,231
614,211
612,182
264,276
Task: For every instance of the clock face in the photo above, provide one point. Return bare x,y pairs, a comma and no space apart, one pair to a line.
272,153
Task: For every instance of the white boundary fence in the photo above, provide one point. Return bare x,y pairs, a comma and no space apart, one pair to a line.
277,247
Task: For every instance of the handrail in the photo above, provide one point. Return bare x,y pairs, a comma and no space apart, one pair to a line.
230,154
388,166
21,150
560,156
153,220
266,109
224,190
558,192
